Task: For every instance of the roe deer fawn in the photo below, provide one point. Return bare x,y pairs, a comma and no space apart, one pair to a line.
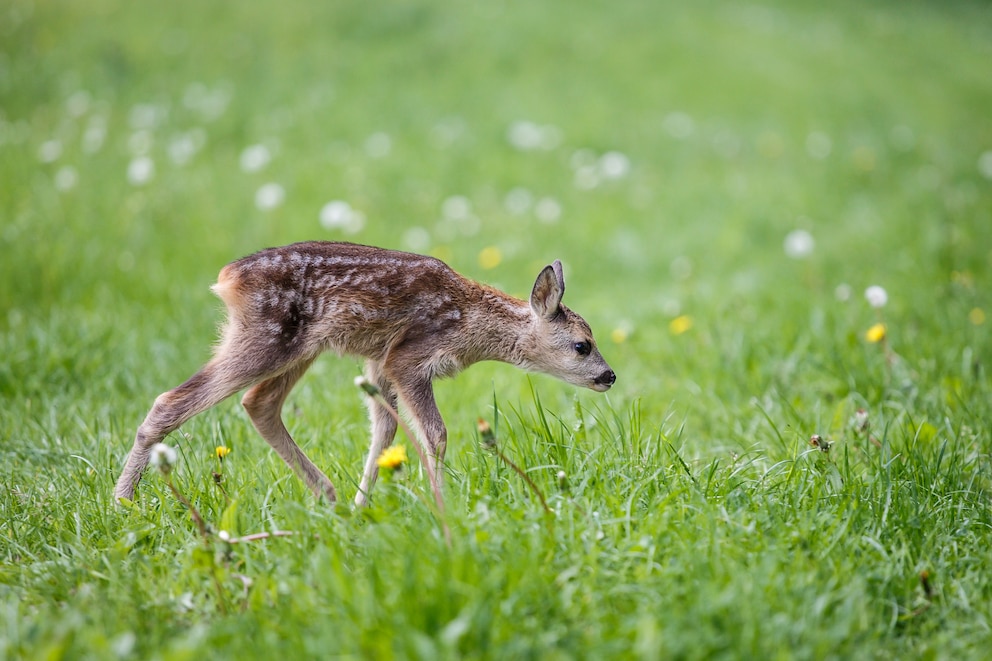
411,317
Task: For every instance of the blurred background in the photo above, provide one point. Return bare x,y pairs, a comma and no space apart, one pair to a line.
722,180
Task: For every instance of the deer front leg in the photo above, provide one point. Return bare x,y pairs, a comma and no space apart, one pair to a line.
417,397
383,429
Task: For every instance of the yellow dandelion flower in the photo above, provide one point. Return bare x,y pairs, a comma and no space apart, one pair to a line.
876,333
680,324
490,257
977,316
392,457
619,335
222,451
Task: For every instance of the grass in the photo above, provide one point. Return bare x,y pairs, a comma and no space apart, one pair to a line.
693,518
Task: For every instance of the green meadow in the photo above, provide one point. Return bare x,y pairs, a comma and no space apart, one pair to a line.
786,468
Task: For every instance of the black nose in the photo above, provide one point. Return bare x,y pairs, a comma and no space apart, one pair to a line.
607,378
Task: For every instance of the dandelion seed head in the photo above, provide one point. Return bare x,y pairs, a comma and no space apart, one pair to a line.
338,215
66,178
798,244
518,201
140,171
254,158
842,292
876,296
163,457
614,165
417,239
50,151
547,210
269,196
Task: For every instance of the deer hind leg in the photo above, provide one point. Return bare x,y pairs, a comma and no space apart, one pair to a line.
263,403
217,380
383,429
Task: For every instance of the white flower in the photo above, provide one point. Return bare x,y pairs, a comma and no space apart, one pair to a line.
95,134
338,215
224,536
269,196
614,165
518,201
798,244
456,207
49,151
140,170
66,178
163,457
547,210
528,136
876,296
255,158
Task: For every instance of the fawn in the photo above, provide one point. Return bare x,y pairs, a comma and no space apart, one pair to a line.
411,317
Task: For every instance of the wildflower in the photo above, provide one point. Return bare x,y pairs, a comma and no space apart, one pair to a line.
367,386
490,257
547,210
614,165
818,441
163,457
562,481
222,451
338,214
255,158
140,170
798,244
680,324
66,178
49,151
876,333
619,335
486,433
393,457
976,316
876,296
224,535
861,420
269,196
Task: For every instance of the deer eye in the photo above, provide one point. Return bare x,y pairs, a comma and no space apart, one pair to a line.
583,348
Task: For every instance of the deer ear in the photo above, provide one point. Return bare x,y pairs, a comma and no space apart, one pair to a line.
545,299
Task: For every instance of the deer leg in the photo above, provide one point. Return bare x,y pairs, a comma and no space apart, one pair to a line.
417,397
383,429
263,403
216,381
